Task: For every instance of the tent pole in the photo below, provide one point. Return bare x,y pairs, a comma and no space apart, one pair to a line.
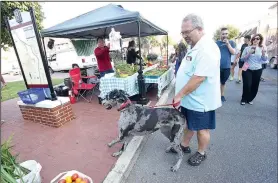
121,44
167,50
44,47
141,81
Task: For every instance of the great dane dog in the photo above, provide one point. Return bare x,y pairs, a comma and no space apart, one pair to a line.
142,120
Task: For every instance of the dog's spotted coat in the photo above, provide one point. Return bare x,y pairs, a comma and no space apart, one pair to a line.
141,120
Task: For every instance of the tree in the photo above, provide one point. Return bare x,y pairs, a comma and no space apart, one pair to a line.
153,41
233,32
163,43
7,8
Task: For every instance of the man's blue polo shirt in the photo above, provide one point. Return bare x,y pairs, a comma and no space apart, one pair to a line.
225,61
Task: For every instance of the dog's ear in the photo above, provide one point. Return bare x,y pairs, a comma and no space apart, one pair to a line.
125,95
111,94
115,94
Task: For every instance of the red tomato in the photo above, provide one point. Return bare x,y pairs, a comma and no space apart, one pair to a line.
86,180
74,176
62,181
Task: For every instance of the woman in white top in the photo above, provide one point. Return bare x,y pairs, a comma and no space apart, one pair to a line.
233,64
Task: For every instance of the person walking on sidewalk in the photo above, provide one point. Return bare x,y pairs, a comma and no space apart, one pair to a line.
227,48
247,39
180,55
253,56
3,83
234,61
197,86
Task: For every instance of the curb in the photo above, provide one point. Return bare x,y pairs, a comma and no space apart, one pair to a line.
127,160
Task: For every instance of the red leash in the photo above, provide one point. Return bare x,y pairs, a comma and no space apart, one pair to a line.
172,104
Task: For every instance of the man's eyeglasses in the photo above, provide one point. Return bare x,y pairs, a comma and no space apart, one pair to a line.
186,33
224,34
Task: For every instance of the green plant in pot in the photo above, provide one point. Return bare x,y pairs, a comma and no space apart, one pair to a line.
10,168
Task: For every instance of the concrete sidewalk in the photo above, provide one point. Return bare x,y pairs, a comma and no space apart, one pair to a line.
243,147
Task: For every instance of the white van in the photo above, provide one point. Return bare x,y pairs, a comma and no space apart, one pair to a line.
63,61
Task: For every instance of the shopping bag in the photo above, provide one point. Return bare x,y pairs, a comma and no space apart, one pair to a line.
245,66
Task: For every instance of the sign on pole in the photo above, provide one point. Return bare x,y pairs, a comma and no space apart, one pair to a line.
28,48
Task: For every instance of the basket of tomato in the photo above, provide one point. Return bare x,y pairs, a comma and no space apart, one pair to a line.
72,176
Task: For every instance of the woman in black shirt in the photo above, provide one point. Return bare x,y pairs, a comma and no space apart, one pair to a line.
131,53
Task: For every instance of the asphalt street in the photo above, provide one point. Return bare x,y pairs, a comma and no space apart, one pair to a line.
243,147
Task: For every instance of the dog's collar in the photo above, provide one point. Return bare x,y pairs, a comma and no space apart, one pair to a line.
124,105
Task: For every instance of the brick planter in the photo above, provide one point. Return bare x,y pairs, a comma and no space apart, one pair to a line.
50,113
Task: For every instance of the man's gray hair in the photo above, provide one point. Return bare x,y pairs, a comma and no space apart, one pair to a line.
196,21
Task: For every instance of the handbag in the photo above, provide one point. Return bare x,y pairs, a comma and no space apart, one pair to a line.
245,66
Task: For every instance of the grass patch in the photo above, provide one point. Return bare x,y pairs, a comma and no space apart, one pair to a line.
12,88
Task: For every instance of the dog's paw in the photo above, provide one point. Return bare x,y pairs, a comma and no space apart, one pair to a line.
169,149
174,168
116,154
109,145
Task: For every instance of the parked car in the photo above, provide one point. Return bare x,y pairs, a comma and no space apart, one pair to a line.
15,70
6,68
63,61
11,68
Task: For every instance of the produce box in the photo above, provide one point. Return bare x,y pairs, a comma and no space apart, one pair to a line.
72,176
155,73
124,70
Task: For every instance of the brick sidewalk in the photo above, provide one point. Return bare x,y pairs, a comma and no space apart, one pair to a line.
78,145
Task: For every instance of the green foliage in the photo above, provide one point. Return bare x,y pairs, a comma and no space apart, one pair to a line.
153,41
152,56
233,32
7,8
10,168
164,41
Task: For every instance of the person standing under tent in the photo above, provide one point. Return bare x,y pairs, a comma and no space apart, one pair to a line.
103,58
131,53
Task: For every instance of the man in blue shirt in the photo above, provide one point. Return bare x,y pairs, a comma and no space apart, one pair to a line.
197,87
227,48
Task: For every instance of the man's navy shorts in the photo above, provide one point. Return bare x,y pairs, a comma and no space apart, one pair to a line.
199,120
224,75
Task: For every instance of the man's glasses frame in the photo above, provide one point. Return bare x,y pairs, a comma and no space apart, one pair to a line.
186,33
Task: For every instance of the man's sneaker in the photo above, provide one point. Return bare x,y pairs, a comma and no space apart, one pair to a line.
238,81
242,103
223,99
184,149
251,103
231,78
